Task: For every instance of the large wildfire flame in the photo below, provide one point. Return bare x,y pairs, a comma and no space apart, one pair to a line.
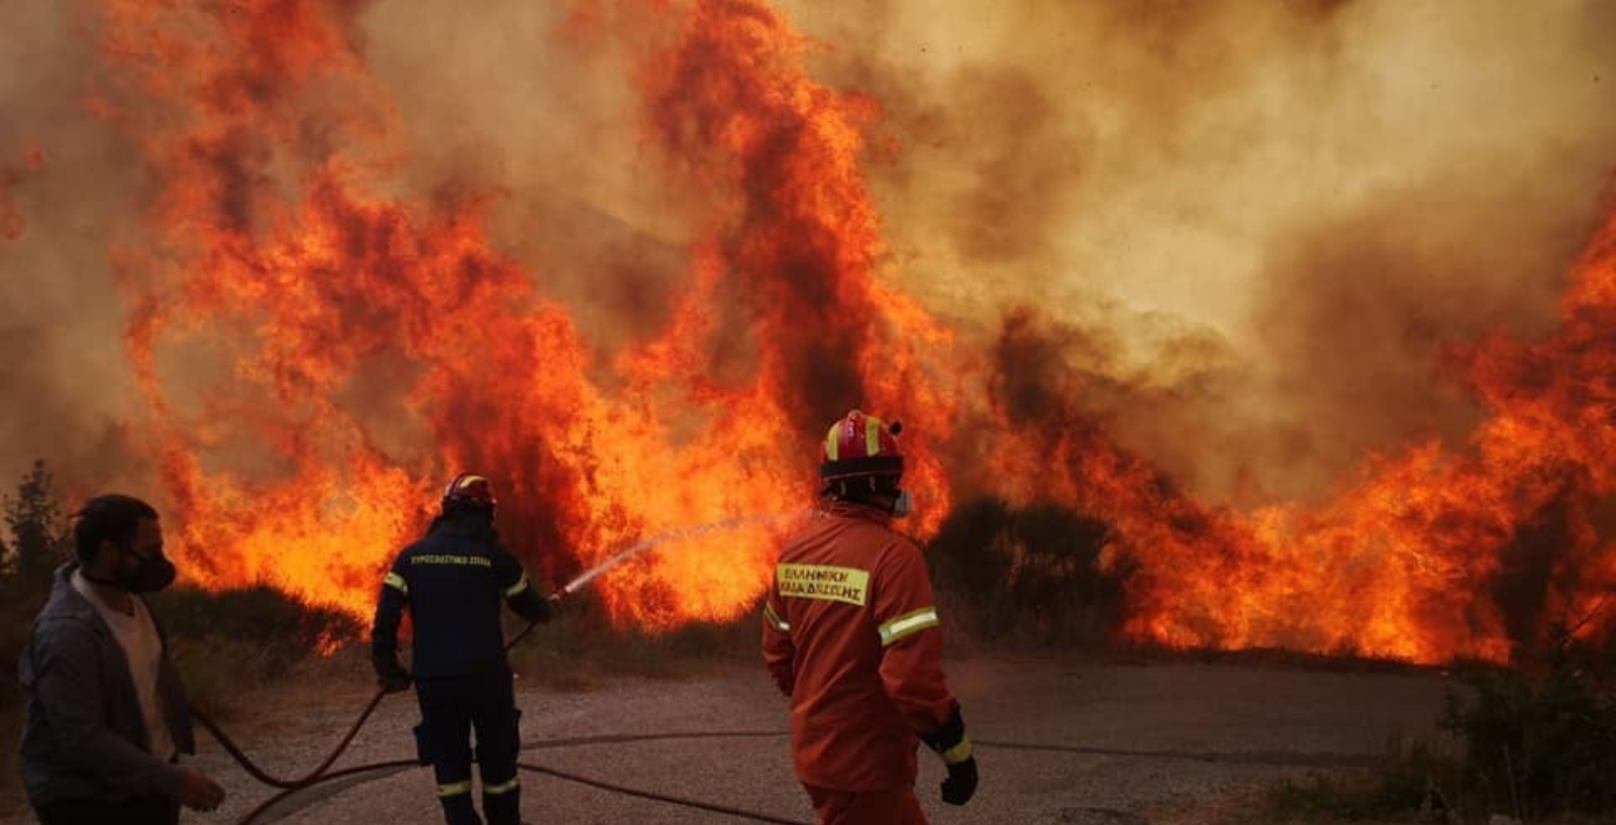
281,270
305,288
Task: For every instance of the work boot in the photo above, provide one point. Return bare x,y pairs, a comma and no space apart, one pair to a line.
457,810
504,807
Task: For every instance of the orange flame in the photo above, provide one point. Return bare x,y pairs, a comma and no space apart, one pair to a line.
317,353
278,467
1430,556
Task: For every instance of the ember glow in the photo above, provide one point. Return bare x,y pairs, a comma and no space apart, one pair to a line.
11,174
301,290
318,345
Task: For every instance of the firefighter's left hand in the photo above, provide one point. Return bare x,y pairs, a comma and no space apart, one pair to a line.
550,607
960,785
394,682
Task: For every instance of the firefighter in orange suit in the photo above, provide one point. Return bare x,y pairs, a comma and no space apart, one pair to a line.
850,634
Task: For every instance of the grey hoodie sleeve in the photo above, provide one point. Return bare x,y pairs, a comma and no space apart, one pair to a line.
66,675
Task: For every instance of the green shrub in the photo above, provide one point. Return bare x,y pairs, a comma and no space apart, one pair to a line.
224,643
580,649
1405,783
261,615
1538,743
1544,743
39,531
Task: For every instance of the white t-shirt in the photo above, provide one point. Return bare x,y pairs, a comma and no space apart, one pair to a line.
137,635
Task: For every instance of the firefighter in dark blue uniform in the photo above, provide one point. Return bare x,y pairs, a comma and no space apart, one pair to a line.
453,581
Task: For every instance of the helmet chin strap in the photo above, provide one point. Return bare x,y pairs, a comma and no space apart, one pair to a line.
904,505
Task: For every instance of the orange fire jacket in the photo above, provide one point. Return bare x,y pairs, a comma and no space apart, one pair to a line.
850,634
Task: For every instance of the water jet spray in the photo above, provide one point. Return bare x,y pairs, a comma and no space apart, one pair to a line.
643,545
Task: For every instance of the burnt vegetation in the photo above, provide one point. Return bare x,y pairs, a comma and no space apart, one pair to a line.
1037,575
1536,741
1540,744
229,643
1532,743
221,640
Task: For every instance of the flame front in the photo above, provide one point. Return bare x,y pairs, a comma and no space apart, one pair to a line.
318,351
1429,557
291,293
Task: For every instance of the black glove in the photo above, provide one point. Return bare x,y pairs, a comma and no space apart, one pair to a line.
951,743
394,682
960,785
390,675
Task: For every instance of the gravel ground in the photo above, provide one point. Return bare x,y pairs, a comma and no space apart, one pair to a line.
1158,743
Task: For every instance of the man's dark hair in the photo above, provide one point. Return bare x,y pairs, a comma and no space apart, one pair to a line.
112,517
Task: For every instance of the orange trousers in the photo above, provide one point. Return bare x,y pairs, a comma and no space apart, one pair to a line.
895,807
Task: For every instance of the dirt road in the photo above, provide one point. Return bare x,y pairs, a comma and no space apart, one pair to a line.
1160,743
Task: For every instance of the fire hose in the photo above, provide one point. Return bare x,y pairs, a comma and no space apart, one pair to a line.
1275,758
322,773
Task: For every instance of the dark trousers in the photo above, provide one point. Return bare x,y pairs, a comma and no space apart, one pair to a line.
451,708
154,810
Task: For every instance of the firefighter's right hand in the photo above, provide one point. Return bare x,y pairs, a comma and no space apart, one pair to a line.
960,785
951,743
198,792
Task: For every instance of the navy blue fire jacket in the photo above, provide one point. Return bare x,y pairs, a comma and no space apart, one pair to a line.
452,581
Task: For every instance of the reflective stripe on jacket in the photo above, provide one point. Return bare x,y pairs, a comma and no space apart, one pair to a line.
850,633
453,583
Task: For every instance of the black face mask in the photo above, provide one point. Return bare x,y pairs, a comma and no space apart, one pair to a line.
152,574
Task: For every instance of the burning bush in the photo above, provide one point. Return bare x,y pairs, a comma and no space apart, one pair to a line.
230,641
1040,573
221,639
260,616
322,313
581,649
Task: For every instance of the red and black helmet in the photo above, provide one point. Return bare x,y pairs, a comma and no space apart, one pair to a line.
860,446
469,490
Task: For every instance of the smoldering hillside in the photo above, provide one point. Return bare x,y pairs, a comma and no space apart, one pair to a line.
1205,253
1264,221
1273,215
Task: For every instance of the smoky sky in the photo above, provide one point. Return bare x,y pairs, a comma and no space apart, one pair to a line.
1277,214
1250,227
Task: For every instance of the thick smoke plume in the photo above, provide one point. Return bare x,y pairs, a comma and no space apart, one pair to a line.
1219,274
1333,190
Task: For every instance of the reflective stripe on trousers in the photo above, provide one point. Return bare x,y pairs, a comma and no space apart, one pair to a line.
452,708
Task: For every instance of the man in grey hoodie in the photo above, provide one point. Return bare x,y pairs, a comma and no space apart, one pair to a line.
107,716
